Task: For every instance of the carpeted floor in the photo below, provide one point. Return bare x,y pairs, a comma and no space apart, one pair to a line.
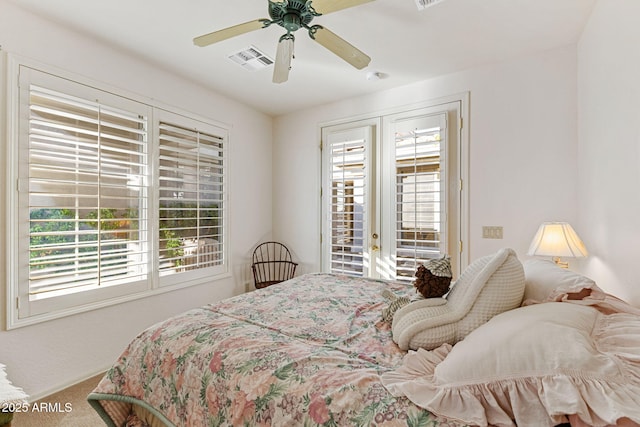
68,408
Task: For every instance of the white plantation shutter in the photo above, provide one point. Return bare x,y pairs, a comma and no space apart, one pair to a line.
84,187
192,195
113,199
349,186
420,192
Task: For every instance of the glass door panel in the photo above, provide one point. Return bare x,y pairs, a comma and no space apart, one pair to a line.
347,207
419,158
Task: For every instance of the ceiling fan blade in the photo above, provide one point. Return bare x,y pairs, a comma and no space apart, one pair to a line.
227,33
342,48
328,6
283,59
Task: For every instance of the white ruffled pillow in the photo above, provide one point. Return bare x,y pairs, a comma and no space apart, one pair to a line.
542,277
534,365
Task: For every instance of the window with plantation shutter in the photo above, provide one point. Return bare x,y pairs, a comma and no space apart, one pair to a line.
114,198
191,202
86,194
82,192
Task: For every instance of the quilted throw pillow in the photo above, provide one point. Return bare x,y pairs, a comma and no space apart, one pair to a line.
488,286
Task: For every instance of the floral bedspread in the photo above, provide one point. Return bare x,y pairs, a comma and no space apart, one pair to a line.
308,352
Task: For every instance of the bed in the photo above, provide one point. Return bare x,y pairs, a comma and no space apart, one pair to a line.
309,351
315,351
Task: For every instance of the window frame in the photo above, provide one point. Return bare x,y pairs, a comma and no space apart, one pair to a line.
23,310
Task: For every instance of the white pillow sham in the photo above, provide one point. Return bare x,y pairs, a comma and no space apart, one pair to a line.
542,277
534,365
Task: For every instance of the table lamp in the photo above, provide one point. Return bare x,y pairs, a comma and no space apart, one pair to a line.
557,239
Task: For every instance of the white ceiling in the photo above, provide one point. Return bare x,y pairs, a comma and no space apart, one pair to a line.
406,44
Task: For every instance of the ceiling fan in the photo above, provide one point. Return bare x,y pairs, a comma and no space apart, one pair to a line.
293,15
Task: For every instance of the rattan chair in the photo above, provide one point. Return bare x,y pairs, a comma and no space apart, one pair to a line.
272,264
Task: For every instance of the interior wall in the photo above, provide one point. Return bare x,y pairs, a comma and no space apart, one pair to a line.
609,160
49,356
522,163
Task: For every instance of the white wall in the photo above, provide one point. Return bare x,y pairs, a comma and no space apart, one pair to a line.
48,356
523,148
609,161
525,167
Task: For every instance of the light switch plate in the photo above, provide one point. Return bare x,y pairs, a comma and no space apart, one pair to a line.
491,232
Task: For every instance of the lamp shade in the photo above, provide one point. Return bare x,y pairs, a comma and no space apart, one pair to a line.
557,239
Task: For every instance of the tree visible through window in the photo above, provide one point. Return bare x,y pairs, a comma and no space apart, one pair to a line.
87,165
191,199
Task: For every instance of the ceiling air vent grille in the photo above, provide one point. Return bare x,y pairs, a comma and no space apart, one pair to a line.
251,59
423,4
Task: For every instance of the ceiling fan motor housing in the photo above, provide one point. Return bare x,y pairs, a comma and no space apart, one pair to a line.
291,22
292,14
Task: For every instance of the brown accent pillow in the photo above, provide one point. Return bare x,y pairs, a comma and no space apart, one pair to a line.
434,278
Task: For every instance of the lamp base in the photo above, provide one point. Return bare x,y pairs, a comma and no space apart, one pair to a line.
559,263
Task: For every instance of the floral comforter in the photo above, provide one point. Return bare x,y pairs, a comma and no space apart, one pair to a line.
307,352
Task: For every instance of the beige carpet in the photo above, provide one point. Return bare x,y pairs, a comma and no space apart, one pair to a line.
68,408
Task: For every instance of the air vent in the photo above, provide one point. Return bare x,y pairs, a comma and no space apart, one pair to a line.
251,59
423,4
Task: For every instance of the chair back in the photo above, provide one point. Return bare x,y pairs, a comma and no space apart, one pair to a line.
271,264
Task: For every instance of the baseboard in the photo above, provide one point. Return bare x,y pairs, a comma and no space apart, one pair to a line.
67,384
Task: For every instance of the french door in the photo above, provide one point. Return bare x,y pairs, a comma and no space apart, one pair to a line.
349,198
392,192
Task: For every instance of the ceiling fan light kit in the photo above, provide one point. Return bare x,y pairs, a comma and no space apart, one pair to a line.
283,59
293,15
